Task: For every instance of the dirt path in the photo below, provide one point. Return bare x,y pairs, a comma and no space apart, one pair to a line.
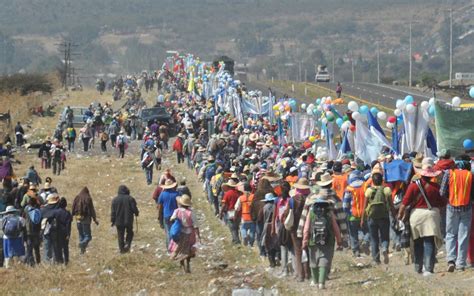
147,270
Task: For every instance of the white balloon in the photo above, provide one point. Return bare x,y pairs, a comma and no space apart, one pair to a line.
397,112
324,121
382,115
353,106
345,126
410,108
303,106
356,115
320,108
456,101
400,104
309,111
311,106
424,105
329,98
390,125
431,101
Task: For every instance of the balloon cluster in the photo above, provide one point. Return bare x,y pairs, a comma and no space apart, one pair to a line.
283,109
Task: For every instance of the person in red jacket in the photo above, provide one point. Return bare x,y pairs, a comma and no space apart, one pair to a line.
178,147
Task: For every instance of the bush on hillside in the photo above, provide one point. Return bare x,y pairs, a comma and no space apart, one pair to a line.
25,84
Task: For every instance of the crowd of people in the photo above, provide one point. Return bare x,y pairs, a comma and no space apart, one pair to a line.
288,201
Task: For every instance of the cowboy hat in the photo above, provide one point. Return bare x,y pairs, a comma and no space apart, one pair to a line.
231,183
326,179
322,168
185,200
269,197
269,143
10,209
417,160
302,183
253,137
271,176
169,184
427,169
246,168
52,198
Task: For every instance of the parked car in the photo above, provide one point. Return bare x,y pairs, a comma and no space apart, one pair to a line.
78,119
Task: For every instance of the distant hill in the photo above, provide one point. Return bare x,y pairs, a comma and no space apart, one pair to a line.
118,35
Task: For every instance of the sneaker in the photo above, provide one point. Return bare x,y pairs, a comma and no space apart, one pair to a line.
451,267
321,287
427,273
312,284
385,256
357,254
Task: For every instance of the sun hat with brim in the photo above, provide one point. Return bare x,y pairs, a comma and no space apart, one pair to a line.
293,169
272,177
253,137
326,179
52,198
346,168
210,158
47,185
246,131
9,210
417,160
429,172
269,197
168,184
185,200
201,149
302,183
230,184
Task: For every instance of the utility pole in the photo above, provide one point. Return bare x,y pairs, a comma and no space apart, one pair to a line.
69,73
352,62
450,47
378,63
333,66
409,75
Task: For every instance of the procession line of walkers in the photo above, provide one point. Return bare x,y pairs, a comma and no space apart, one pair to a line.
299,207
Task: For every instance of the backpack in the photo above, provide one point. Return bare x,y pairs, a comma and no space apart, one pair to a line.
34,215
49,226
175,230
377,206
320,233
12,227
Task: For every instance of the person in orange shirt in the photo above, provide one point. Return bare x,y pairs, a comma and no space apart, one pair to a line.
293,176
244,208
339,183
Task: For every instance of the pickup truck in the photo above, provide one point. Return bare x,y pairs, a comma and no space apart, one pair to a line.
322,75
160,114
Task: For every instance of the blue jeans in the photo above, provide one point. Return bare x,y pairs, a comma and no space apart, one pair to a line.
379,230
48,249
394,236
149,175
425,253
458,229
354,229
167,225
85,235
247,230
210,195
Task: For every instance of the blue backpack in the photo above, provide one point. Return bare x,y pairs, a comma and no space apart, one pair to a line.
34,215
175,230
12,227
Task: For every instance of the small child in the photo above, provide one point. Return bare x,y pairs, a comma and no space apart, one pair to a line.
320,234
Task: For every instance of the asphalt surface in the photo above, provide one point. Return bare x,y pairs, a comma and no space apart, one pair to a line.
381,94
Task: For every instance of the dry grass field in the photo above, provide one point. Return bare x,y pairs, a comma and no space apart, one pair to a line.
147,270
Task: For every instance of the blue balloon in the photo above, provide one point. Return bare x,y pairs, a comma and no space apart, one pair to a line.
374,111
400,119
339,122
471,92
318,101
292,103
315,111
409,99
363,109
431,111
468,144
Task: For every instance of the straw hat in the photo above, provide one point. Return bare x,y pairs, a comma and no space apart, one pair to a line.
253,137
302,184
52,198
10,209
417,160
168,184
185,200
269,143
271,176
47,185
326,179
427,168
230,184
